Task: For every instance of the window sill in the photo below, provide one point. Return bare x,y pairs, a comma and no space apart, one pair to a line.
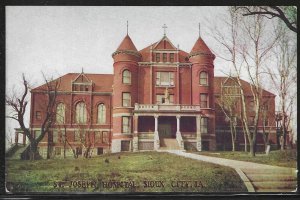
164,86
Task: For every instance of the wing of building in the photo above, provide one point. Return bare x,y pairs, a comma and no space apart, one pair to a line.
160,97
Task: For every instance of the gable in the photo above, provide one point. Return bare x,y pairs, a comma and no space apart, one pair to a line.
164,43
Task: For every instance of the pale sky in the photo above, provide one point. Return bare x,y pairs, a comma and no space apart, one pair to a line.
59,40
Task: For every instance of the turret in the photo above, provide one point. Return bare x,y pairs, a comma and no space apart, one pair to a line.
125,92
202,73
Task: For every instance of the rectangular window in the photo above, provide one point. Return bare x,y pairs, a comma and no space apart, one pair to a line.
266,122
203,100
171,57
164,57
99,151
76,136
125,124
251,121
105,138
57,151
55,136
204,125
37,133
160,98
126,99
38,115
125,145
165,78
98,137
252,106
157,57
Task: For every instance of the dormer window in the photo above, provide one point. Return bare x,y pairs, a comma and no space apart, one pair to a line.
82,84
171,57
157,57
164,57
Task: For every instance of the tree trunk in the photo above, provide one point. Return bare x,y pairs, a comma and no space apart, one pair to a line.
252,148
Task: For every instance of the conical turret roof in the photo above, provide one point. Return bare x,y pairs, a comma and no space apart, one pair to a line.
200,48
127,44
127,47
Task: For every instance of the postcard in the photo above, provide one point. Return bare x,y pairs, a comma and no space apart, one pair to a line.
153,99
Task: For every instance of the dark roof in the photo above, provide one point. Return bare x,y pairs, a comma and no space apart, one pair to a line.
245,84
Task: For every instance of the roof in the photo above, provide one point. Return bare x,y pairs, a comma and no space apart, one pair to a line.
200,47
102,82
245,84
127,44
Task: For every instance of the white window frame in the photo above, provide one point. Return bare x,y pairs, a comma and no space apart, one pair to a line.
170,81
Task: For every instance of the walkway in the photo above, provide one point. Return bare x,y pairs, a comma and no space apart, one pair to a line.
257,177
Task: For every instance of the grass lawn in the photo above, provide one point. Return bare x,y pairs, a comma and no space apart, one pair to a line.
286,158
169,171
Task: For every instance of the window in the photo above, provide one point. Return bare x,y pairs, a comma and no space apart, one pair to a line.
55,136
252,106
125,124
105,138
171,57
76,136
204,125
37,133
164,57
266,122
81,115
165,78
203,100
251,121
126,99
57,151
101,114
38,115
99,151
60,113
126,77
157,57
160,98
265,107
125,145
203,78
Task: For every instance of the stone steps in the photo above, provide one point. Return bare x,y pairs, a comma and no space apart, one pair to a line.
275,190
270,177
275,185
169,144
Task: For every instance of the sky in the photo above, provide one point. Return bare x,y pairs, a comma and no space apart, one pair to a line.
66,39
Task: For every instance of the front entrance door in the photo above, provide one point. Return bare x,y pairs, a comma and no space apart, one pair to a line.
164,130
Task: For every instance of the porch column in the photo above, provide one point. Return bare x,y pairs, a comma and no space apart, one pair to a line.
135,141
16,137
178,124
156,136
198,133
156,123
24,139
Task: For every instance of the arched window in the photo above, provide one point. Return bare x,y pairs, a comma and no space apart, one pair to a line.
127,76
81,113
60,113
101,114
203,78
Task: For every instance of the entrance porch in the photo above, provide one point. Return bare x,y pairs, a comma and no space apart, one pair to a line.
161,131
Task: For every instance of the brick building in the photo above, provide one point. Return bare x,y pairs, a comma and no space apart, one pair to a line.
160,97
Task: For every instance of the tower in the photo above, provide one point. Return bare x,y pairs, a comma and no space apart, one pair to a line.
202,87
125,93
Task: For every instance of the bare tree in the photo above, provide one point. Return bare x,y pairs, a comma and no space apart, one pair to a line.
248,47
18,103
228,103
288,14
284,78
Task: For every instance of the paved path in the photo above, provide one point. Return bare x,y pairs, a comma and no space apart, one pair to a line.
257,177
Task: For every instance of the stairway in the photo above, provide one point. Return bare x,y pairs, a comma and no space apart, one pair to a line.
272,180
169,144
16,152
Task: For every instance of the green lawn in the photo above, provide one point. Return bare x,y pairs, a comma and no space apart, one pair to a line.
46,175
286,158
